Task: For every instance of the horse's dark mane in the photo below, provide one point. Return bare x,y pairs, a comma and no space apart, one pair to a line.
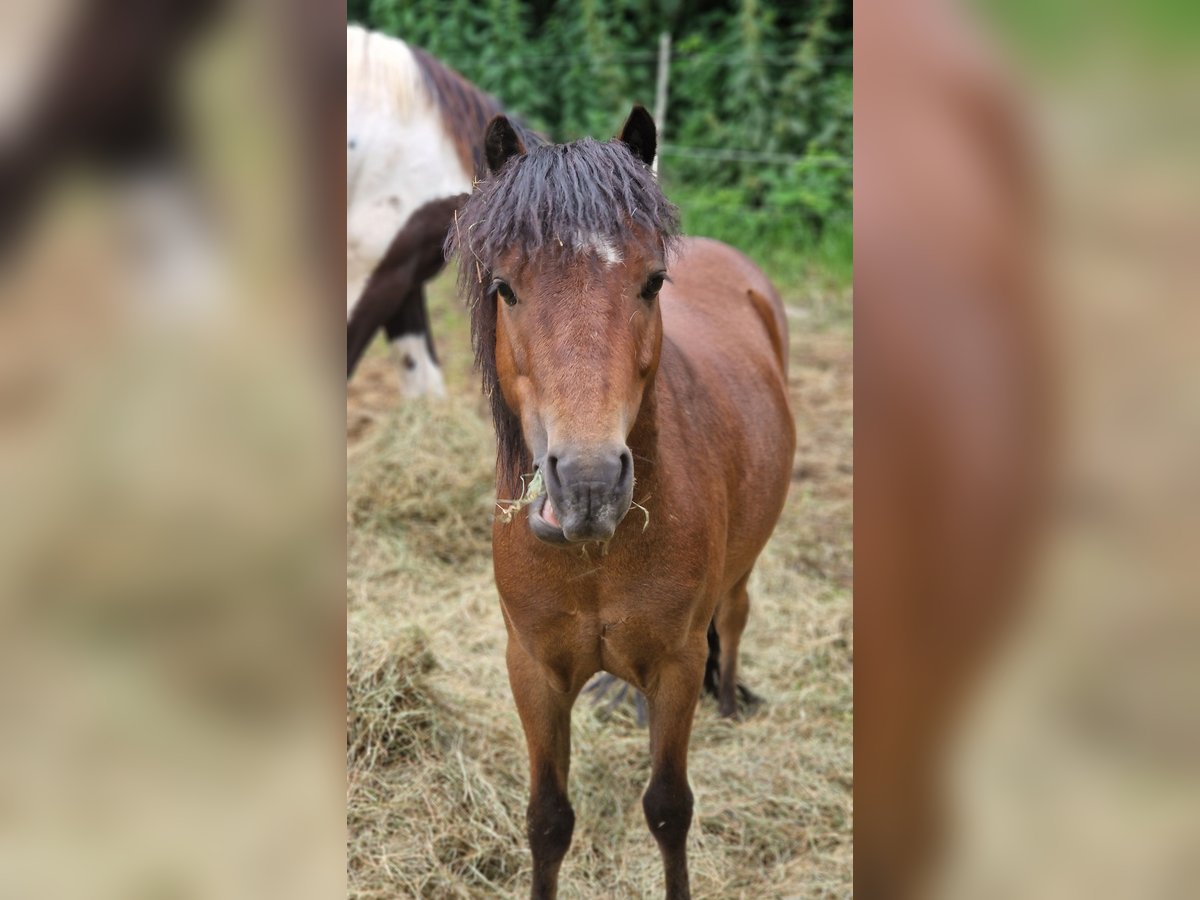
554,198
465,110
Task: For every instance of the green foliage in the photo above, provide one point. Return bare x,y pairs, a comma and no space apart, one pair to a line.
757,140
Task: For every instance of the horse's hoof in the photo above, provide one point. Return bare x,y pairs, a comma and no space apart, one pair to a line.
748,699
745,704
624,696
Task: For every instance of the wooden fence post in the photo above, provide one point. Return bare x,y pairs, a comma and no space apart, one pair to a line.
660,92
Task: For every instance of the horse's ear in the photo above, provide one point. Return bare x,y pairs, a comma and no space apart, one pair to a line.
640,135
501,143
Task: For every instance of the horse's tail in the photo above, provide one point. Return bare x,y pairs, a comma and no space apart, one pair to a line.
712,668
775,321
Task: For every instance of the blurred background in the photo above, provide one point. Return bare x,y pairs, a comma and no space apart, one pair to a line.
170,468
1078,772
1026,586
755,146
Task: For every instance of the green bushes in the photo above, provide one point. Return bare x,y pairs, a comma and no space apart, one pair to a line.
757,140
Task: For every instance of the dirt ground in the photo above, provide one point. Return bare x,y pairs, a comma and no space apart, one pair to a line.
436,787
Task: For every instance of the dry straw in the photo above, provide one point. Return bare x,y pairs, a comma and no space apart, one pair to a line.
436,763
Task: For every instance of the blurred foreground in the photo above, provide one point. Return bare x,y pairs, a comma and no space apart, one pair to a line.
1027,626
170,475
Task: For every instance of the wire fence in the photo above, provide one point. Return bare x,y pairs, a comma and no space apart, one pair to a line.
716,154
735,155
725,154
650,56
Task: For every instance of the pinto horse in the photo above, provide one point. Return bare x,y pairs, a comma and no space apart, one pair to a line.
617,355
414,132
394,297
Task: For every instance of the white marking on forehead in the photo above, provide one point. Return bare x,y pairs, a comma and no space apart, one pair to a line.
602,247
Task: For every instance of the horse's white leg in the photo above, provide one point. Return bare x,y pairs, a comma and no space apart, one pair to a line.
420,375
409,336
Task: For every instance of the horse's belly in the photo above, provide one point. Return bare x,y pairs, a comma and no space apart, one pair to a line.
756,504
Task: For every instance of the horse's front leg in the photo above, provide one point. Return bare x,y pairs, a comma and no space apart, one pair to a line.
546,717
668,799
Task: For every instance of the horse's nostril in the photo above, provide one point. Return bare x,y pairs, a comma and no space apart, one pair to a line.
591,476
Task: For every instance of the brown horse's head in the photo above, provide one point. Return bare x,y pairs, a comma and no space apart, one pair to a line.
563,251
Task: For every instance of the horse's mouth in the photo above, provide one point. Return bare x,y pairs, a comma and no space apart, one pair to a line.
544,522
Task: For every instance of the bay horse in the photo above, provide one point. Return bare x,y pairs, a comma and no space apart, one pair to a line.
617,354
414,137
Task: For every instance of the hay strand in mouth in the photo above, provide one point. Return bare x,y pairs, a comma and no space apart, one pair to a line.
645,512
534,488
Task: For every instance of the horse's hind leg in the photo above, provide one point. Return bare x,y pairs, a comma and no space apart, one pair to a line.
623,694
667,802
730,622
546,718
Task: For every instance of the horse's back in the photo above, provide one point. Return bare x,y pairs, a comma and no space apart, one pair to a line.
399,156
718,295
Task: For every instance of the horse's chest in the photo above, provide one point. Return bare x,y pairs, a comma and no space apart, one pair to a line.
632,646
625,631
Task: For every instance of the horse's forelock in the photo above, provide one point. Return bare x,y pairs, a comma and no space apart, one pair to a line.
552,199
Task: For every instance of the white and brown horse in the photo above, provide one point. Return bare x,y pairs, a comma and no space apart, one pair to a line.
414,129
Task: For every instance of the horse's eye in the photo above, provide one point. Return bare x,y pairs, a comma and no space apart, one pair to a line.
505,292
653,285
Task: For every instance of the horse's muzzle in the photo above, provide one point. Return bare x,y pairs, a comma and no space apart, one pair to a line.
589,492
